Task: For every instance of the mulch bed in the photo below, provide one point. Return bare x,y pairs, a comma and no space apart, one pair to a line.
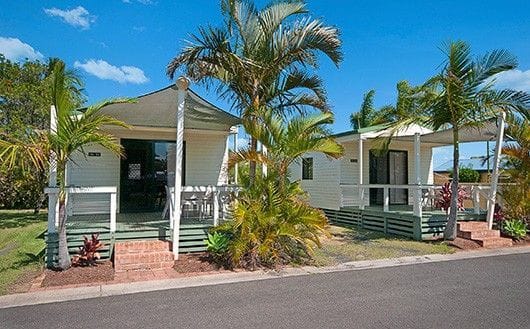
464,244
101,272
195,263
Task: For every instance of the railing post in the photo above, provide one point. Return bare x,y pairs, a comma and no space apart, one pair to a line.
476,199
361,197
215,208
386,200
112,213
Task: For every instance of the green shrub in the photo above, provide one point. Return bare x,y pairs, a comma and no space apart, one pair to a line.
272,225
217,245
468,175
514,228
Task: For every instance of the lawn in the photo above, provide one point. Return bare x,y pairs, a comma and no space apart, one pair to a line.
21,247
352,244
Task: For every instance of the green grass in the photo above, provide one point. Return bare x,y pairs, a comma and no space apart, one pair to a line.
353,244
21,246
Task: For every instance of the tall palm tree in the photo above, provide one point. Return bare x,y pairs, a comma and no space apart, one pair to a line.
260,58
74,132
366,115
463,95
287,142
517,157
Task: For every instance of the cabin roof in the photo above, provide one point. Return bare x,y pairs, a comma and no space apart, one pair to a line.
159,109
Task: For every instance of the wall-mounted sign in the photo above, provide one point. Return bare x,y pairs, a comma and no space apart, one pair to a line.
353,160
94,154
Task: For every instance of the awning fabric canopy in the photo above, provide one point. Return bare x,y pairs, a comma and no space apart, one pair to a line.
486,132
159,108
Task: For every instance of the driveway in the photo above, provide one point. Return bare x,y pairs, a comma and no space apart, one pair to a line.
490,292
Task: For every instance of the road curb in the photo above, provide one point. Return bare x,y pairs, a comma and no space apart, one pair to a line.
61,295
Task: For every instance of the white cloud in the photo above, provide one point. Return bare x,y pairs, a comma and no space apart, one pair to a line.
106,71
15,50
143,2
513,79
77,17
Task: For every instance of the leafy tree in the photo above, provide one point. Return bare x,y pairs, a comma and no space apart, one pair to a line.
463,95
74,132
261,59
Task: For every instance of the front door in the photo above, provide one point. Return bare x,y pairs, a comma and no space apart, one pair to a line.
390,168
146,169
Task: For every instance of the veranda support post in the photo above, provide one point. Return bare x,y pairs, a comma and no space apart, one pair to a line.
182,85
495,175
417,174
360,162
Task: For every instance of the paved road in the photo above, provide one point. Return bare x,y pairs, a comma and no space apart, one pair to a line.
492,292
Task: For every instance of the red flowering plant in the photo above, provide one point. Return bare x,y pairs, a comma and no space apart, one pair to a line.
444,198
88,253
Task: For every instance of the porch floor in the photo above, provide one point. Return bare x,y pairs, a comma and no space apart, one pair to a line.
133,222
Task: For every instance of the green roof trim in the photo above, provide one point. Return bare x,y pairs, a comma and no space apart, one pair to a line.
363,130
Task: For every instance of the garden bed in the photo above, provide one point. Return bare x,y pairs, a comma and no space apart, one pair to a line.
195,263
100,273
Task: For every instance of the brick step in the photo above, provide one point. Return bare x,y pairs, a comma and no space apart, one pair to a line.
144,266
141,246
146,257
478,234
495,242
472,226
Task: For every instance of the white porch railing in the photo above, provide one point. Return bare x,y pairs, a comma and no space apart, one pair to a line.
355,195
203,197
53,195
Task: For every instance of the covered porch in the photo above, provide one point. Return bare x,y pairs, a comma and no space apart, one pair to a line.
408,208
176,153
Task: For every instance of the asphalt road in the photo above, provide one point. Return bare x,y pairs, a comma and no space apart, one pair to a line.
492,292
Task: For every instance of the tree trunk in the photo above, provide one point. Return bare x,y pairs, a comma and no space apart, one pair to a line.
64,256
252,165
450,228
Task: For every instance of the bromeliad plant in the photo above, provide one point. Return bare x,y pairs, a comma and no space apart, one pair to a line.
217,246
444,198
514,228
88,253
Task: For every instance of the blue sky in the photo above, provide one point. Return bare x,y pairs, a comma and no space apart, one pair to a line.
121,47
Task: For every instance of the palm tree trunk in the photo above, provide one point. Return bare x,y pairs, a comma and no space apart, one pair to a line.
450,228
64,255
252,165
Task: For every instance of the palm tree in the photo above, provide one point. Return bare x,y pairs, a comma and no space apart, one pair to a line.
287,142
366,115
517,157
273,222
260,58
74,131
463,95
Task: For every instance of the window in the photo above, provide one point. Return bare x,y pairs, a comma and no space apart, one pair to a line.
307,168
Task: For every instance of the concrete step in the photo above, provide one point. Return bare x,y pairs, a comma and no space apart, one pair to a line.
495,242
472,226
478,234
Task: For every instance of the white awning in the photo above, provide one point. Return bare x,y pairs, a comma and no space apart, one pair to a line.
486,132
